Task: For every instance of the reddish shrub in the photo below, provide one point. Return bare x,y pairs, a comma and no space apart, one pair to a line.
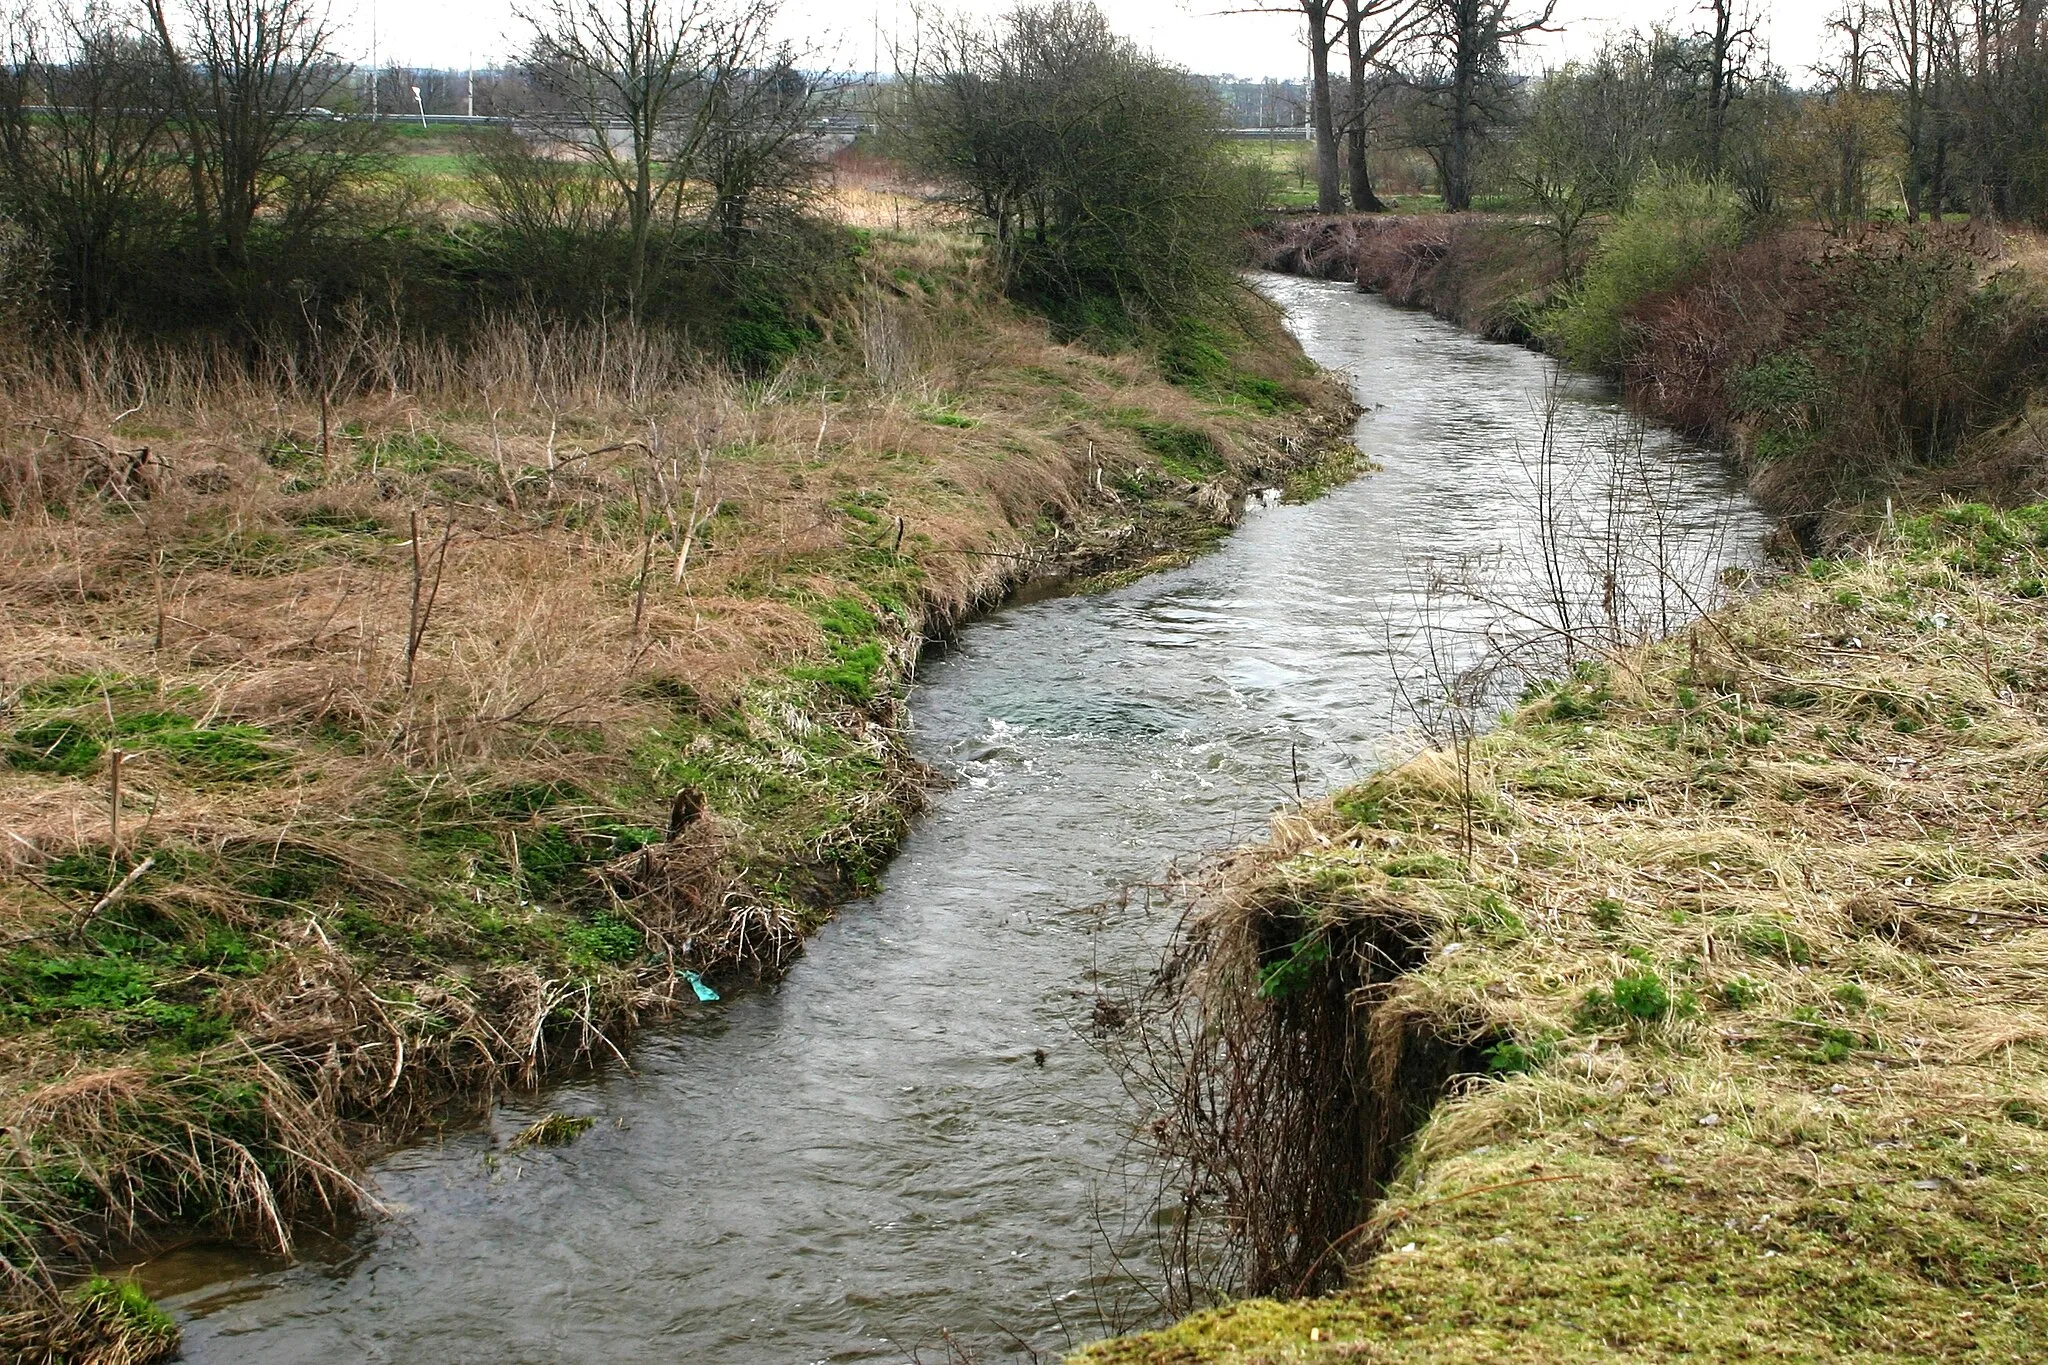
1684,344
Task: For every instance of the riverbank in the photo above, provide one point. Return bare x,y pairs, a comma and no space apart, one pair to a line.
364,758
1842,370
1694,1011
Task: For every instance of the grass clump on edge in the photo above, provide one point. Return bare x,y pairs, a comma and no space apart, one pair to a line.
553,1130
1764,1075
99,1322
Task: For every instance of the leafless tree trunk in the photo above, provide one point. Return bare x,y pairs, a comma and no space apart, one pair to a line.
1373,30
1729,39
1322,112
1910,32
1470,39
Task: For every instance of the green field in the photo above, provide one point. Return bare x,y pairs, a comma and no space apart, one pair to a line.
1291,164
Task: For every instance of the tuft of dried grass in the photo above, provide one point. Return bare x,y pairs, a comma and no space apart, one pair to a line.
100,1322
552,1130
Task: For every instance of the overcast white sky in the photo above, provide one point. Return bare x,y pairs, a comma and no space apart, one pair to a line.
1199,34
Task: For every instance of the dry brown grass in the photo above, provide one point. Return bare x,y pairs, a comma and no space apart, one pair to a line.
99,1323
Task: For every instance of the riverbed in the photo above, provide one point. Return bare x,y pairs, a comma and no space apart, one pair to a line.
912,1145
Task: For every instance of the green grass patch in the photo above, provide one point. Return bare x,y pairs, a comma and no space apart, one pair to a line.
853,644
1182,451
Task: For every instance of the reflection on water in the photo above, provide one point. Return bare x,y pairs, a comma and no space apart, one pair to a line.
846,1165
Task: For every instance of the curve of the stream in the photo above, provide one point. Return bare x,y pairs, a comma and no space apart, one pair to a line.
870,1160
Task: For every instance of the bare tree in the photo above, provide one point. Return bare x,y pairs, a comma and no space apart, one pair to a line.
83,133
638,79
1322,109
755,154
1726,48
1577,153
410,89
1919,49
1322,106
1374,30
2000,85
250,78
1468,42
1847,99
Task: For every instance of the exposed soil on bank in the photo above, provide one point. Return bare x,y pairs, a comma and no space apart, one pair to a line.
361,761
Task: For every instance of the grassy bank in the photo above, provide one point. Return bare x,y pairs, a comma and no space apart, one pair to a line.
1710,992
363,755
1842,369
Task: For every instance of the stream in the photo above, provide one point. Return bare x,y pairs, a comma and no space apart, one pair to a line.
911,1147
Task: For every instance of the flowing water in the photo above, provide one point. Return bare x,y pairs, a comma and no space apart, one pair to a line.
911,1139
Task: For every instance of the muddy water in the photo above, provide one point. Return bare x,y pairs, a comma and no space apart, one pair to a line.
912,1138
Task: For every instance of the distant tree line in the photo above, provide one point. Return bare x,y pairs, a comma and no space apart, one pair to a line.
203,165
1934,106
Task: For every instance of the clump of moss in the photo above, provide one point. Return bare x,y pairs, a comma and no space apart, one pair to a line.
1182,451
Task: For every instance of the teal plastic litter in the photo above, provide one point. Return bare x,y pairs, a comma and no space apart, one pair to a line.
704,992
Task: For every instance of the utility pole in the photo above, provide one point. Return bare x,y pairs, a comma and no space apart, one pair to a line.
469,97
373,58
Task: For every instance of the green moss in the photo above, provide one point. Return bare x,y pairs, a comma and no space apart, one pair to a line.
605,940
1199,357
1427,865
1182,451
1638,997
337,520
136,990
1775,941
283,874
61,748
412,452
1513,1057
1739,993
83,688
1295,969
123,1311
554,1130
853,644
220,753
802,789
554,861
254,550
74,742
